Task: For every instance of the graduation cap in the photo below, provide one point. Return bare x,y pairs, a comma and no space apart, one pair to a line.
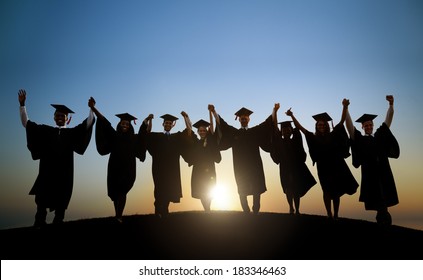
243,112
366,117
126,117
286,124
322,117
168,117
201,123
62,109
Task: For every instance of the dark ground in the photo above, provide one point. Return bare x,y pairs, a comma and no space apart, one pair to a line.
218,235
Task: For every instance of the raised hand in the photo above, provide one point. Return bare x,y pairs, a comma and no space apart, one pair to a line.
22,97
390,99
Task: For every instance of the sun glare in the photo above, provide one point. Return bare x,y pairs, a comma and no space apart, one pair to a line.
220,198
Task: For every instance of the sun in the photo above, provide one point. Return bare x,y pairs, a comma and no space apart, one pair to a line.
220,198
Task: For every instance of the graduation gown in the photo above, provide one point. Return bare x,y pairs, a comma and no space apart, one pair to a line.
202,158
329,153
166,152
247,162
55,148
295,176
378,189
123,148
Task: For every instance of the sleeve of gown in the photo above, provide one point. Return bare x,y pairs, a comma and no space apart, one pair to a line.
186,145
82,136
140,145
275,146
103,136
312,149
265,134
390,143
355,149
227,133
299,144
34,140
342,140
213,142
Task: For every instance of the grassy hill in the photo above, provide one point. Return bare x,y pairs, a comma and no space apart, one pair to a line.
217,235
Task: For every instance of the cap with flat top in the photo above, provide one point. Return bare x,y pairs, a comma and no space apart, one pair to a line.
126,117
200,123
243,112
62,109
168,117
286,124
365,118
322,117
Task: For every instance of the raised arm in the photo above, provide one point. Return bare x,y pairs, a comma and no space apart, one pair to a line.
211,126
148,122
345,103
275,115
212,109
348,120
91,104
390,112
187,122
22,109
296,122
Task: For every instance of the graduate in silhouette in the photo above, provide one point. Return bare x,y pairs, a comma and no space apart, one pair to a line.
54,147
248,166
372,151
203,154
166,148
328,150
288,152
124,147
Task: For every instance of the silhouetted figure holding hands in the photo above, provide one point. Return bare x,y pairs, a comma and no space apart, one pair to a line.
54,147
165,149
248,165
124,147
288,151
202,155
328,149
372,151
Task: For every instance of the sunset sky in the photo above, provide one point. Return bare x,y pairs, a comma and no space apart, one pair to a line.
161,57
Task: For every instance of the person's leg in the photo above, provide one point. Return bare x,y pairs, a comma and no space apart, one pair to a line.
119,207
244,203
256,203
158,207
297,204
383,217
290,203
336,203
328,206
165,208
59,215
206,202
40,216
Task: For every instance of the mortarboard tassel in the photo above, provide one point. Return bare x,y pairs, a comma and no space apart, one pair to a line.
69,120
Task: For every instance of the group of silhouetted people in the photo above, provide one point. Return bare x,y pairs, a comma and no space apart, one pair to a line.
54,147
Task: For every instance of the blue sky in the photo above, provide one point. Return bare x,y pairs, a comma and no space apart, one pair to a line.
162,57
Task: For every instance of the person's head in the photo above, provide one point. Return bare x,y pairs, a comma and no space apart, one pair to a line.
322,127
125,125
286,129
61,114
169,122
202,128
243,115
322,123
366,121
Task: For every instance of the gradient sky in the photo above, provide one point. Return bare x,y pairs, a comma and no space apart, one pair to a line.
160,57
